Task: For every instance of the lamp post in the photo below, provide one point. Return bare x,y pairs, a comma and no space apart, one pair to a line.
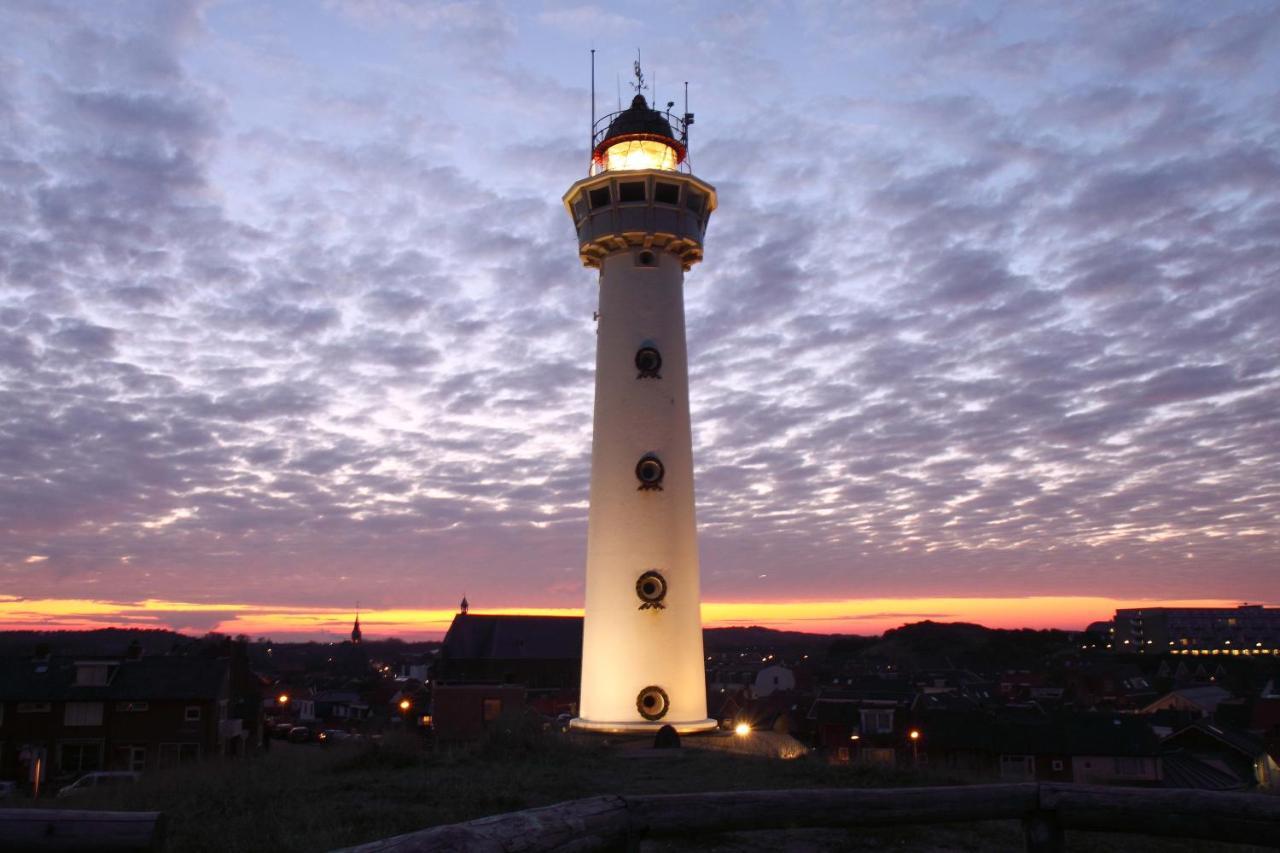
914,734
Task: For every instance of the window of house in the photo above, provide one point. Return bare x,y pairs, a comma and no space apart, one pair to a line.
130,757
1057,764
173,754
79,756
1017,767
491,709
842,753
128,707
191,714
83,714
877,721
92,674
33,707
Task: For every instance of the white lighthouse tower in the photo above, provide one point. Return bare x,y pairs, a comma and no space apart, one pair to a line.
640,217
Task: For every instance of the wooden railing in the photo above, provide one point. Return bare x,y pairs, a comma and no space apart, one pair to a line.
77,829
1046,810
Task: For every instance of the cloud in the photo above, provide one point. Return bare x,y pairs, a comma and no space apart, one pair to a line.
987,303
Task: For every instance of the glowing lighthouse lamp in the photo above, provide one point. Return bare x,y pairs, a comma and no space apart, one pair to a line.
640,218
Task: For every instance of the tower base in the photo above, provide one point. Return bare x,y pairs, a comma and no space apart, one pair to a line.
684,728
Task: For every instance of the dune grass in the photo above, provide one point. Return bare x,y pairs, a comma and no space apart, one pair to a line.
311,798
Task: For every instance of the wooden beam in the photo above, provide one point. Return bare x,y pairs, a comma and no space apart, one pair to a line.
681,814
1213,815
578,826
76,830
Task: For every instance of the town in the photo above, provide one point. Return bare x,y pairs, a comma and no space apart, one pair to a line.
1173,698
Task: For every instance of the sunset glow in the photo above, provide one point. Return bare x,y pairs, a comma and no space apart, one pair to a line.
284,622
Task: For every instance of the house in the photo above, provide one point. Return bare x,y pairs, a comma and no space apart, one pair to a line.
773,678
1242,754
70,715
1200,701
466,711
1087,748
535,661
864,721
342,707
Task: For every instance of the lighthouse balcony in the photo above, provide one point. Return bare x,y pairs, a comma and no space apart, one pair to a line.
650,208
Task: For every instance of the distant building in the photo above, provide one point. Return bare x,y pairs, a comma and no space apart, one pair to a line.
72,715
1086,748
356,634
1245,630
490,666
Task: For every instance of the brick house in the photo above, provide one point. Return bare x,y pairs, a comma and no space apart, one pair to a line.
71,715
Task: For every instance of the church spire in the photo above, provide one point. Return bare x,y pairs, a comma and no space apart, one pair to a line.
355,629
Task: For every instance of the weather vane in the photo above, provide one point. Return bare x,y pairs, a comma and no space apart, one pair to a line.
639,85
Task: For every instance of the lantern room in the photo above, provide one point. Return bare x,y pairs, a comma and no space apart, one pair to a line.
638,138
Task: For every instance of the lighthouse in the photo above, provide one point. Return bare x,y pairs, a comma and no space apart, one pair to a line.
640,217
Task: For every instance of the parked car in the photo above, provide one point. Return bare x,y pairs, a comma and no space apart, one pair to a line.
99,779
299,734
281,730
333,736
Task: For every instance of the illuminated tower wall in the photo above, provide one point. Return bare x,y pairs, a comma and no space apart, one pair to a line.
640,222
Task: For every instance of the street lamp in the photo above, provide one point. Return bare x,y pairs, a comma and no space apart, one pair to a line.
405,705
914,734
283,699
742,729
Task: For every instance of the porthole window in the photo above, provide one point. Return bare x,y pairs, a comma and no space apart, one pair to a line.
631,191
646,258
652,589
649,472
666,193
649,363
652,703
599,197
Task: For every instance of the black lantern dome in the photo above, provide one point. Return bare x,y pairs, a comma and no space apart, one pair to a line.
638,138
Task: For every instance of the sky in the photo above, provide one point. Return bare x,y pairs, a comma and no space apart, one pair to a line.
291,314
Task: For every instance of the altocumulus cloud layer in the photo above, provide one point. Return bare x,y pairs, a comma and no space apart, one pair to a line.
290,310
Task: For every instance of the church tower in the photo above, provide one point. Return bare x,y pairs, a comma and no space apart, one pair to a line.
356,636
640,217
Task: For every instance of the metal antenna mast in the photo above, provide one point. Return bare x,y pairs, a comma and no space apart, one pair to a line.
592,144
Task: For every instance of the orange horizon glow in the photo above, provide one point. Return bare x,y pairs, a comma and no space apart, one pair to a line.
846,616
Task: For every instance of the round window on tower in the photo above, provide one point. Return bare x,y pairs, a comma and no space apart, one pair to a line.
652,588
649,472
646,258
649,363
652,703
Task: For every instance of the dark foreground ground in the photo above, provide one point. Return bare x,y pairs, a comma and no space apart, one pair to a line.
312,798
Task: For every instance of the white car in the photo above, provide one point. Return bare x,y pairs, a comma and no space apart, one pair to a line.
97,780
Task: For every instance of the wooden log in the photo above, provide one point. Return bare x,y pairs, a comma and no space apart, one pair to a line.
682,814
578,826
76,830
1211,815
